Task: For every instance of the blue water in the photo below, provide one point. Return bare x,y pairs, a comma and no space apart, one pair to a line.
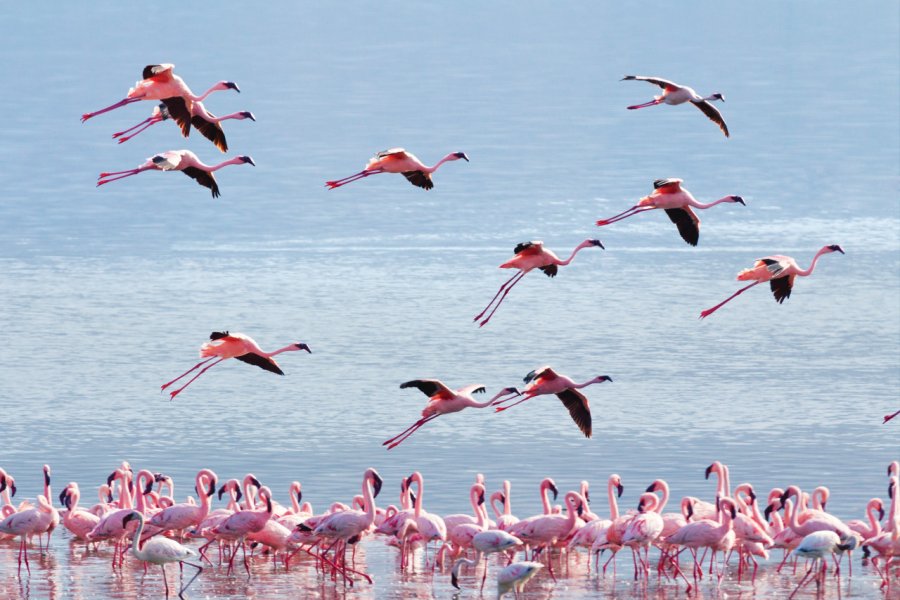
108,292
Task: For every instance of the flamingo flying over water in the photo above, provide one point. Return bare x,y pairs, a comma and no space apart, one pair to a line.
779,271
529,256
677,202
679,94
224,345
442,400
398,160
545,380
160,83
179,160
202,120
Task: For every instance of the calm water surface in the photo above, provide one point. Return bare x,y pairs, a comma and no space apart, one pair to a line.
107,292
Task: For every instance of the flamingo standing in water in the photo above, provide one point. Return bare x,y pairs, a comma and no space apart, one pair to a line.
398,160
225,345
179,160
677,202
160,550
160,83
442,400
515,576
203,120
679,94
779,271
545,380
26,523
529,256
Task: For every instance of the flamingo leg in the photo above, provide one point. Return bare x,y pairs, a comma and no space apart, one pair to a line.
500,301
502,287
624,215
411,427
710,311
394,442
152,121
120,175
646,104
165,580
188,584
194,368
502,408
889,417
194,378
124,131
364,173
118,104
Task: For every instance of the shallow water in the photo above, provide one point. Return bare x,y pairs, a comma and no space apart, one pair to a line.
108,291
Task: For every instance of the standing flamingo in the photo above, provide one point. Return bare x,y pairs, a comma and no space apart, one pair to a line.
545,380
203,120
779,271
398,160
677,202
160,83
78,521
484,543
26,523
529,256
679,94
819,545
240,524
181,516
160,550
179,160
515,576
442,400
224,345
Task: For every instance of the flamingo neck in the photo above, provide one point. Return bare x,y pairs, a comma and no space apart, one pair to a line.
295,504
439,163
472,403
507,503
545,498
368,500
665,496
812,265
232,161
136,547
202,96
237,115
203,480
577,249
494,498
417,479
700,205
613,503
874,524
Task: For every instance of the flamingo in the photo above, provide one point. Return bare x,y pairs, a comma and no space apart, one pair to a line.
78,521
545,380
779,271
547,530
242,523
204,121
515,576
430,527
505,519
224,345
26,523
179,160
889,417
160,83
704,534
643,530
184,515
588,535
160,550
546,487
442,400
529,256
677,202
484,543
679,94
818,545
398,160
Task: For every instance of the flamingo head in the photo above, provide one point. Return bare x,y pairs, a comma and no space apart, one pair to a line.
222,490
717,96
377,481
739,200
459,155
246,115
247,159
148,488
227,85
602,378
47,475
880,511
595,243
835,248
769,510
63,496
129,517
552,487
510,390
255,482
302,346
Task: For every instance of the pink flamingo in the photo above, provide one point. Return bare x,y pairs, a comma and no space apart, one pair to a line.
779,271
204,121
430,527
460,535
398,160
545,380
529,256
546,531
546,487
476,498
675,94
505,518
643,530
179,160
184,515
240,524
78,521
26,523
587,536
161,550
677,202
816,521
484,543
704,534
871,527
441,401
225,345
818,545
160,83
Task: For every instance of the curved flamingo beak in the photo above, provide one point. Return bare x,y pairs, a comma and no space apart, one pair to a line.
739,200
232,86
301,346
620,489
708,471
554,490
248,115
377,482
651,487
769,509
221,491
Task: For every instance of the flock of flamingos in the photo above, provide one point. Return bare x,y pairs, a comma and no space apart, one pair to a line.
733,522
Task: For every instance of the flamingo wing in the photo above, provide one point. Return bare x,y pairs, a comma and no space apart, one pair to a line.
419,179
429,387
158,72
669,185
389,152
211,131
775,266
545,373
549,270
579,409
204,178
262,362
687,222
179,111
475,388
781,287
713,113
532,247
663,83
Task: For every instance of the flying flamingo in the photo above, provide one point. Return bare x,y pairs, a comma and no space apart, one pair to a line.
779,271
160,550
677,202
203,120
398,160
515,576
442,400
545,380
179,160
224,345
159,83
679,94
529,256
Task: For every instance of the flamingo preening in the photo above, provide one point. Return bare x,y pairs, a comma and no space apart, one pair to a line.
398,160
679,94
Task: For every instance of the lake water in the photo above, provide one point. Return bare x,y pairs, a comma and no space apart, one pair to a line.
108,292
